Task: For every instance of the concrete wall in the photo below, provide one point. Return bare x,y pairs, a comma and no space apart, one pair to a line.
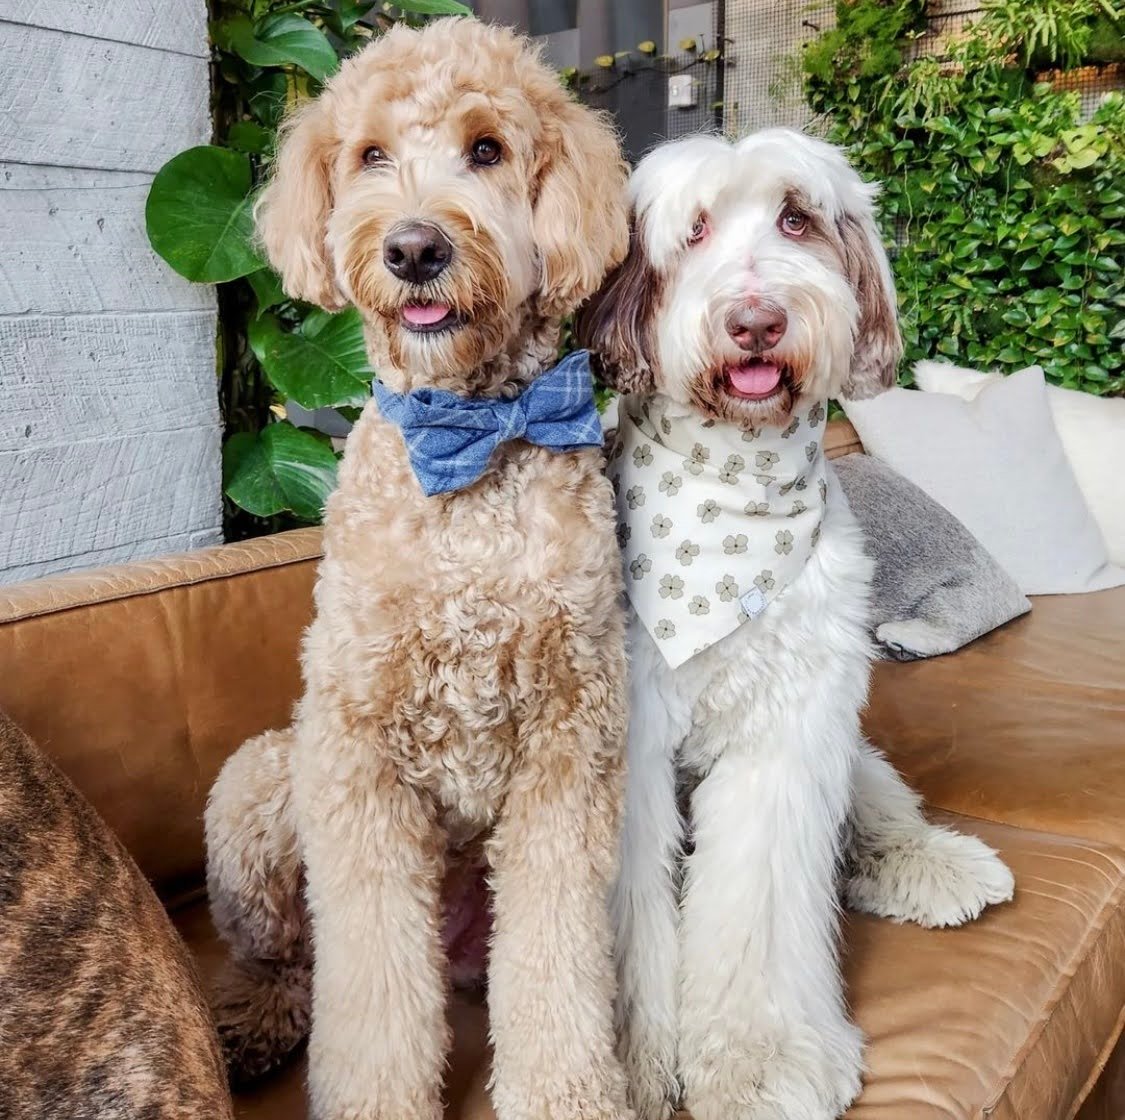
109,420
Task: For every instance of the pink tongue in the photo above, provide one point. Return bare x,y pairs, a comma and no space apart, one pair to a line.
755,380
425,314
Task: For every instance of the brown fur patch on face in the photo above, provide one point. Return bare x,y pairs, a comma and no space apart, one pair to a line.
853,246
878,344
617,325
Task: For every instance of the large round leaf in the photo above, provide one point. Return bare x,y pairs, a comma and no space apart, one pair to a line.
276,41
321,364
198,215
280,468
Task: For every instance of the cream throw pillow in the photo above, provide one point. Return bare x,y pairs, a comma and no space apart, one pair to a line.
997,464
1092,430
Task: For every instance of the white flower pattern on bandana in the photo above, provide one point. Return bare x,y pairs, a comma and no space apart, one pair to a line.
698,459
639,568
722,519
687,552
708,511
727,589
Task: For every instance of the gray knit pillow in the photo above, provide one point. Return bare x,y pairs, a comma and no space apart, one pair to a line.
936,587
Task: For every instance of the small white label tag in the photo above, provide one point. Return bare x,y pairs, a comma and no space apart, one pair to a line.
753,602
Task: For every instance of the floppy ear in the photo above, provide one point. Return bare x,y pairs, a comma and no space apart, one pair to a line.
878,344
292,211
617,324
578,219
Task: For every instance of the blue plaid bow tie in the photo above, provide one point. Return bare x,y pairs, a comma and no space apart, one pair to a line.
450,439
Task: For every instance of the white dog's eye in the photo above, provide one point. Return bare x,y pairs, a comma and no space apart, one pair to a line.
793,222
486,151
373,156
699,230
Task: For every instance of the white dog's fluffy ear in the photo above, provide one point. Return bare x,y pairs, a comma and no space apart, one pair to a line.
878,344
617,324
292,211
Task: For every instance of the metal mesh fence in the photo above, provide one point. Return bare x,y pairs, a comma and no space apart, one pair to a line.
755,82
763,44
764,39
636,92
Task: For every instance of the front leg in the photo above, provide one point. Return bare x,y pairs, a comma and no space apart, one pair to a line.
902,867
373,858
551,986
645,903
764,1033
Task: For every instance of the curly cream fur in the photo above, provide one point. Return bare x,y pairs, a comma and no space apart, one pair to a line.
464,675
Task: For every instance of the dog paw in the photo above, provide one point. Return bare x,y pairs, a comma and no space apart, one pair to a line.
803,1074
936,878
586,1098
648,1056
654,1090
912,638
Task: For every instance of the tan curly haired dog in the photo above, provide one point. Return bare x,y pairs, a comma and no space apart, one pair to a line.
464,675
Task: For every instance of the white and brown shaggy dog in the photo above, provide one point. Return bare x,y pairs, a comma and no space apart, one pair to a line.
465,672
756,288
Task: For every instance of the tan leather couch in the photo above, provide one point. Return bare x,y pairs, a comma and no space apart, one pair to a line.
141,679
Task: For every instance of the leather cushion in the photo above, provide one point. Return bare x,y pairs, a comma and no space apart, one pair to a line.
1007,1017
138,681
1025,725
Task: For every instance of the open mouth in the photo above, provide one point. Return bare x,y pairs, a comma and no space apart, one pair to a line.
428,318
755,379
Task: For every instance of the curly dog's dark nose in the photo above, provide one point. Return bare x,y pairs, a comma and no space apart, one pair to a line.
417,252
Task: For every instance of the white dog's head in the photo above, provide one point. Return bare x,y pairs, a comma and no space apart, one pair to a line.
755,279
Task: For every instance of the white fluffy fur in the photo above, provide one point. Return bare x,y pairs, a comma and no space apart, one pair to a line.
730,990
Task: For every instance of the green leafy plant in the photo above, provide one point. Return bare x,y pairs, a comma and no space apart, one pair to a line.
273,350
1003,203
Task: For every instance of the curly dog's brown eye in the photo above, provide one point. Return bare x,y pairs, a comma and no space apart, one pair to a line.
373,156
486,151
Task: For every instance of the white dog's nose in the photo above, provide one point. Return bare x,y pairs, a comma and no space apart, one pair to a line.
757,328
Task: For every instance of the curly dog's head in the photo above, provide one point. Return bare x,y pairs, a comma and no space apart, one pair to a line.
446,184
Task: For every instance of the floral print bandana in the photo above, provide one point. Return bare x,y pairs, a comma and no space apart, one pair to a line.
714,521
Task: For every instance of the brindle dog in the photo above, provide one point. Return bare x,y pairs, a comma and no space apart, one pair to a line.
101,1016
